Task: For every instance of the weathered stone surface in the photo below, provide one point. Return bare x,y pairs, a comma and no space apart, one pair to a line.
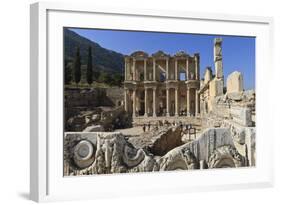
218,58
241,115
105,153
236,96
216,87
234,82
94,128
180,158
100,119
159,142
225,157
208,75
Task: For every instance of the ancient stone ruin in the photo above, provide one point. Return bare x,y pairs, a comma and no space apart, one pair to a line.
165,118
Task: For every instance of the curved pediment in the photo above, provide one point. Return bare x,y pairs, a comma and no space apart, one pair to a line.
141,54
160,54
181,54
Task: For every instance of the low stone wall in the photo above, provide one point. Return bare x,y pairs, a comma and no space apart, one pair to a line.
93,97
115,95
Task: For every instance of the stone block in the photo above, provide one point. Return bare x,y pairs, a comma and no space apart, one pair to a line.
216,87
234,82
241,115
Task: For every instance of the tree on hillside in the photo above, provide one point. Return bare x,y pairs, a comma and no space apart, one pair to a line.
77,67
105,78
117,79
89,73
67,72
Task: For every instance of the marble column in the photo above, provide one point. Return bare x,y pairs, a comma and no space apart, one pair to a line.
145,102
187,69
176,102
167,69
154,70
134,103
134,69
176,69
167,103
144,66
154,102
187,101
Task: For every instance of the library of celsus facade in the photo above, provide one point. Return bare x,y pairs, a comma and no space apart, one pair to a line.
161,84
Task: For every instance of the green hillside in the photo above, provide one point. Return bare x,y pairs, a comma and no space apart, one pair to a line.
103,59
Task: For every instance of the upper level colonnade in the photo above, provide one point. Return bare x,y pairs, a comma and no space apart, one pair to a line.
160,67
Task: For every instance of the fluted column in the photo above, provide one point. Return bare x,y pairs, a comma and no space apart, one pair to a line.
154,102
154,70
145,102
187,69
134,69
187,101
167,69
176,69
144,66
126,100
134,103
167,102
176,102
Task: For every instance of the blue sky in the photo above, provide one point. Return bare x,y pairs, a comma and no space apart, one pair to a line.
238,52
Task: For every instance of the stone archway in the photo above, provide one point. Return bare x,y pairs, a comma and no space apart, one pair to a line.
226,157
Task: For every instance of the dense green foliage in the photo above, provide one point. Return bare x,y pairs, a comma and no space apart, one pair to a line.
67,73
89,67
77,66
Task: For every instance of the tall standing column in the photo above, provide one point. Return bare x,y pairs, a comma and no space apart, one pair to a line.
167,69
144,68
187,101
176,102
134,69
154,70
154,102
167,103
187,69
145,102
176,69
126,100
134,102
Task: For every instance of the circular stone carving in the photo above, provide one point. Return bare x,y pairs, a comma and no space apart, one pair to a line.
225,157
84,154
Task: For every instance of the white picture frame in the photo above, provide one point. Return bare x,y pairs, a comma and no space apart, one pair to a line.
46,132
